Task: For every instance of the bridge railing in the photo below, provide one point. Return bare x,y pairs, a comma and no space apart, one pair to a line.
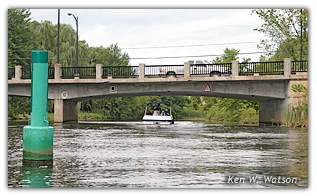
299,66
26,72
51,72
235,68
120,71
81,72
163,70
210,69
11,73
262,68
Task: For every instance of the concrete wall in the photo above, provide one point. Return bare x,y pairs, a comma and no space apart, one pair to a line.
275,111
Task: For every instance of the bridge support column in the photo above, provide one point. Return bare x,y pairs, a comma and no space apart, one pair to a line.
65,110
274,112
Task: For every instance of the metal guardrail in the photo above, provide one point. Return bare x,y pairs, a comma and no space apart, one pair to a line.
81,72
262,68
211,69
120,71
299,66
11,73
163,70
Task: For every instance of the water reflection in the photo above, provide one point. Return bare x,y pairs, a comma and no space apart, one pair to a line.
37,174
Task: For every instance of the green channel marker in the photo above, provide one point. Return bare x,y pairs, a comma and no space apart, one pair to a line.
38,137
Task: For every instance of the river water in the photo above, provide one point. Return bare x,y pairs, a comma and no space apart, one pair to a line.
183,155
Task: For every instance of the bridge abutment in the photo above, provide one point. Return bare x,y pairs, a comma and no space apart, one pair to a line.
274,112
65,111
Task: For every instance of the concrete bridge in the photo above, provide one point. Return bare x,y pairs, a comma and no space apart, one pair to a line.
268,83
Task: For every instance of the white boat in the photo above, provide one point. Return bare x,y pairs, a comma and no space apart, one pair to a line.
159,117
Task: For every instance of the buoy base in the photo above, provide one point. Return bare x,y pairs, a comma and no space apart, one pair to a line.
38,143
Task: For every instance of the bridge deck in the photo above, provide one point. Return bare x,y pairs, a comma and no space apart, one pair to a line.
301,76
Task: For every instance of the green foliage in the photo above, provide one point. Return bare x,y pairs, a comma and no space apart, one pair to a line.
19,45
299,88
91,116
223,110
298,115
18,107
132,108
228,56
111,56
230,111
282,28
20,40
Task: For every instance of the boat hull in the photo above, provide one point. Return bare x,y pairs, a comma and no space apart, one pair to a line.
158,119
158,122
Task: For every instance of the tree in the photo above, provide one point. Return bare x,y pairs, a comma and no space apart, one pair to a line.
228,56
20,40
229,111
20,43
111,56
282,28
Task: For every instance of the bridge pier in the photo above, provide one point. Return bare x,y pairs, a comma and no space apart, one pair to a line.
65,111
274,112
271,112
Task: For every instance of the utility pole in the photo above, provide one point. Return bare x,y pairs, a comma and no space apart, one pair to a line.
301,36
58,36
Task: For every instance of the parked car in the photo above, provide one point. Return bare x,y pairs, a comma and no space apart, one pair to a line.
164,71
211,69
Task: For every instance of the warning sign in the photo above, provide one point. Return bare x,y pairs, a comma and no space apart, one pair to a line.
206,88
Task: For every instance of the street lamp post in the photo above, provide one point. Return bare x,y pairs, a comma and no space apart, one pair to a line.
77,57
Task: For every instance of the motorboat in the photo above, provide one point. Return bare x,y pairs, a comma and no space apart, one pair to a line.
159,116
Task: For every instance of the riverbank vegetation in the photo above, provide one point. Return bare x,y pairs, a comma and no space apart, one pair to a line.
280,27
207,109
298,115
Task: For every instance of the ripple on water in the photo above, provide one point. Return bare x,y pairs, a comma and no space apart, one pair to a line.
183,155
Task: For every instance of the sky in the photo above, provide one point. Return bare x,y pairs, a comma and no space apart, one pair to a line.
148,28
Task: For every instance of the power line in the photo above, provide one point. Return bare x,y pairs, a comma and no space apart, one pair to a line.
193,45
206,55
172,46
171,57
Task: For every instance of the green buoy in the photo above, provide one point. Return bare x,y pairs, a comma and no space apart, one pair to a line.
38,137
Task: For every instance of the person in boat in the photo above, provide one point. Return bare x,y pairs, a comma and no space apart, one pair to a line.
157,106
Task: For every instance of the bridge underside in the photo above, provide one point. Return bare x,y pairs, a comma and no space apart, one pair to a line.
256,90
272,95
